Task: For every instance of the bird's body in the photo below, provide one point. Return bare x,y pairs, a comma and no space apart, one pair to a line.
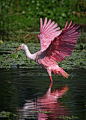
45,62
55,45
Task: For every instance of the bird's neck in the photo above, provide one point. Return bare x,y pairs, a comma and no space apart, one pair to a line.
29,55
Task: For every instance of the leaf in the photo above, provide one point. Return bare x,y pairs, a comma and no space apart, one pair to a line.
14,56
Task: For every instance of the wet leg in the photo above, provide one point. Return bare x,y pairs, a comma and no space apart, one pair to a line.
51,85
49,72
51,79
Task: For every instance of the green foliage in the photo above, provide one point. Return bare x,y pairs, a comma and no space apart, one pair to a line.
20,17
11,116
19,59
8,115
67,118
14,56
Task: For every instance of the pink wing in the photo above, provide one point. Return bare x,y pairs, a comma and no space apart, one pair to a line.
63,45
48,31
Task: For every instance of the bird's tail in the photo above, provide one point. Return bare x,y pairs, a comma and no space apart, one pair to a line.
60,71
63,73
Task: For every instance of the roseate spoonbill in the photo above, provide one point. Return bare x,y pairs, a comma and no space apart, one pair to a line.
55,45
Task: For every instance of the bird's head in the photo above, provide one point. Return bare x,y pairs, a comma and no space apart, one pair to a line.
21,47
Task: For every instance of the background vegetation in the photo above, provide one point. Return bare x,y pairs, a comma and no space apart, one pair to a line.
20,17
20,23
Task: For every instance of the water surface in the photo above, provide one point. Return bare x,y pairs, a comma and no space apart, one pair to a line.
29,94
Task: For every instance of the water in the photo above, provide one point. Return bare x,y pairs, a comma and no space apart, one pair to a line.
29,94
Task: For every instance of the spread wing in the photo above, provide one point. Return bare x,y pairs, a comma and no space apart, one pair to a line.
48,31
63,45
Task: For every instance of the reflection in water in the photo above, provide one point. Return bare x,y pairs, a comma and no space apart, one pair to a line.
47,106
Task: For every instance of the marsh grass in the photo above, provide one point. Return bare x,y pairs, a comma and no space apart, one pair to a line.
12,116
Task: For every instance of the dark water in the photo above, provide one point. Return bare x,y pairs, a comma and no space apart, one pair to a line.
29,94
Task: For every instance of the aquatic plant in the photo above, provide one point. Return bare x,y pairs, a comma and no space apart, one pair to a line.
76,60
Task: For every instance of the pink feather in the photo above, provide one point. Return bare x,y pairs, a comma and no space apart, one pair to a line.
56,45
48,31
63,45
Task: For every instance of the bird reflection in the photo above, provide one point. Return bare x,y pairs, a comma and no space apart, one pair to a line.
46,107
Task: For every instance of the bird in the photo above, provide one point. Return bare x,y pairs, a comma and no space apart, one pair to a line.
55,46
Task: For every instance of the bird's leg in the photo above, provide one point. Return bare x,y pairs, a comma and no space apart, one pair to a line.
49,72
51,79
51,85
